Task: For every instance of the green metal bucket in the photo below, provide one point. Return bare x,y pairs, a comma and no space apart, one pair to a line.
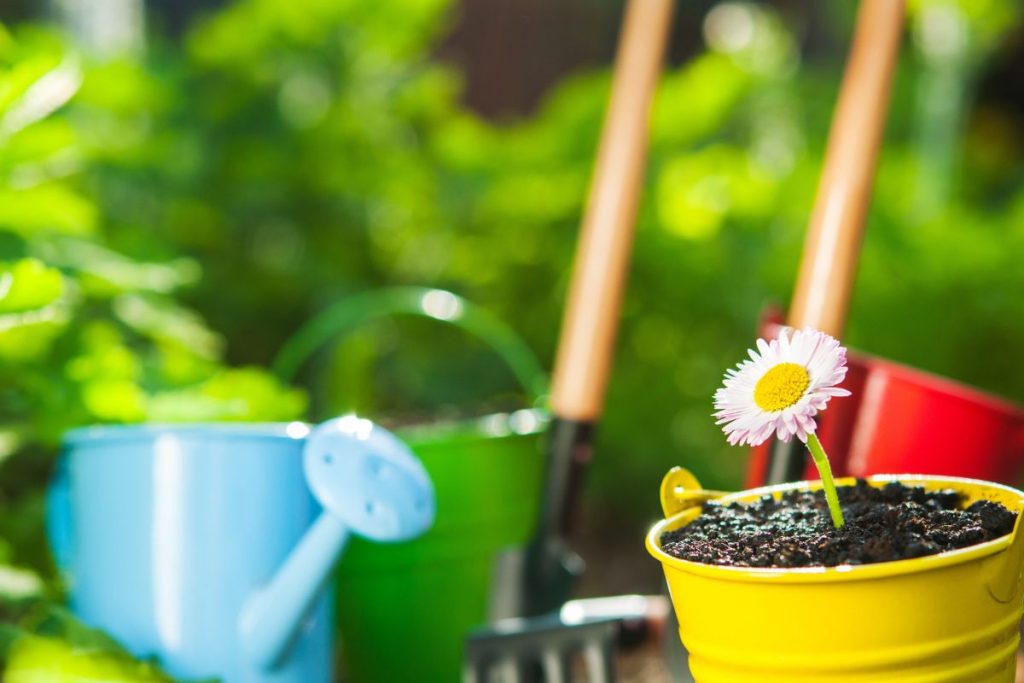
404,609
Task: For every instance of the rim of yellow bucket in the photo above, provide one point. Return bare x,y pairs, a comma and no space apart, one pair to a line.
841,572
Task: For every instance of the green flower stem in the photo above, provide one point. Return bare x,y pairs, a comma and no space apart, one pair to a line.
825,471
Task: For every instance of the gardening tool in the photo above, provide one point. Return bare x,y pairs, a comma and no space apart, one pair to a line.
422,596
947,617
541,581
829,264
583,632
899,418
510,651
202,546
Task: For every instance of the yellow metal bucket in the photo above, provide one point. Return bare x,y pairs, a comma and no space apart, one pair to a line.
947,617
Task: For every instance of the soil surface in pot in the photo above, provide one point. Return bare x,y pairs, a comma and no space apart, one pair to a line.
893,522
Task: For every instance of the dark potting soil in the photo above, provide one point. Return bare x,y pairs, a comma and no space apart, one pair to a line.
893,522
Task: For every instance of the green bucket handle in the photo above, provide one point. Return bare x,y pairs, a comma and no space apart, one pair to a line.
435,304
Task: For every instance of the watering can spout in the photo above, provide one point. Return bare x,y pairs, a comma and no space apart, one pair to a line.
370,484
273,614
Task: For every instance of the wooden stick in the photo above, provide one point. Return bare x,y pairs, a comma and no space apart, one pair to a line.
829,265
595,294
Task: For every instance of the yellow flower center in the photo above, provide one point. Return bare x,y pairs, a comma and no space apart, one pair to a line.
781,387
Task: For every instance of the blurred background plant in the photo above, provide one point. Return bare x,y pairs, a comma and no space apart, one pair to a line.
88,333
242,167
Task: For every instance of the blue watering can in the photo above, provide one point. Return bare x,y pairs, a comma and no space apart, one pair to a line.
208,547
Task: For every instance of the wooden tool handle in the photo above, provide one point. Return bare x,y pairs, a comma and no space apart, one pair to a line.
595,294
829,264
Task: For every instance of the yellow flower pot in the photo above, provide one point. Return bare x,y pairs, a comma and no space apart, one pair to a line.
947,617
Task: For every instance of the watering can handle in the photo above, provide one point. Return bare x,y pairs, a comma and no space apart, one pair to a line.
436,304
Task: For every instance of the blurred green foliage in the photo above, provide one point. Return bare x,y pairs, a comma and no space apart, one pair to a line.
88,333
43,643
284,156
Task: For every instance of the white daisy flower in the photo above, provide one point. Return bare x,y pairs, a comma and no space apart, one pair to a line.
781,388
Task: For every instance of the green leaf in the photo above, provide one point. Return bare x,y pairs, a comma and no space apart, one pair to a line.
43,151
32,312
28,336
27,61
46,94
104,272
28,284
114,400
164,321
697,99
44,643
240,395
47,208
38,659
113,361
18,583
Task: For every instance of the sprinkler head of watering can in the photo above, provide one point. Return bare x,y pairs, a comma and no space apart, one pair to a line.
374,484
